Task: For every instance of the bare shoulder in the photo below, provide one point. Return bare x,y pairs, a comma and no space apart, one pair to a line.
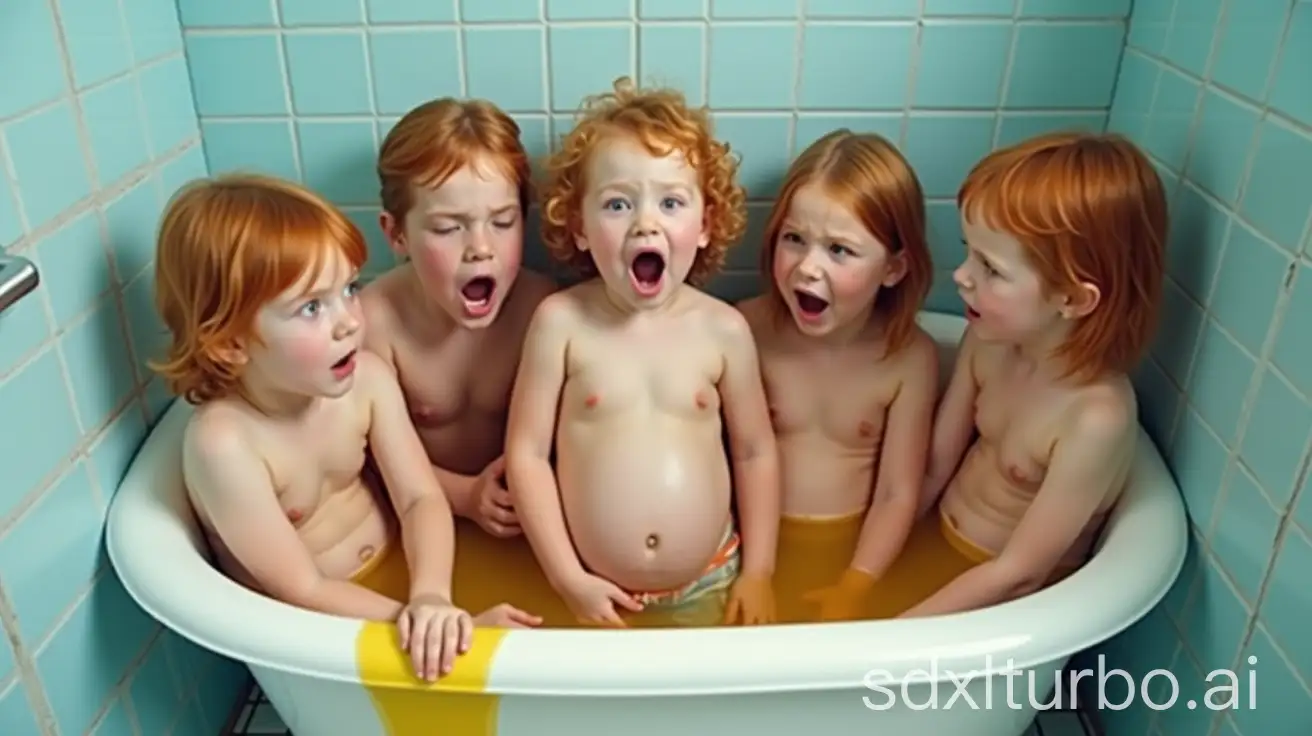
1104,411
372,371
756,310
725,321
380,304
919,356
218,432
561,309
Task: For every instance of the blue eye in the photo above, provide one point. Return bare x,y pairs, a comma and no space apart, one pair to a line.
311,308
352,289
615,204
671,202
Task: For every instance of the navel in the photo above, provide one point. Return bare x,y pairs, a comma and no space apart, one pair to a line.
367,553
653,541
591,401
294,515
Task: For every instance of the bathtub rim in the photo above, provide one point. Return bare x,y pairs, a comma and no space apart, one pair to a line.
153,542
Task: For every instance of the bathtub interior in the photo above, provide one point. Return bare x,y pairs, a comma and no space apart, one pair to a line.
157,550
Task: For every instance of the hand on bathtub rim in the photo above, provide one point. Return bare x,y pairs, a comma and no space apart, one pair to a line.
751,601
506,616
494,509
434,632
593,600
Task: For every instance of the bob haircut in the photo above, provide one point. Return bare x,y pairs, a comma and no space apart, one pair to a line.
1086,208
227,246
437,139
866,175
662,122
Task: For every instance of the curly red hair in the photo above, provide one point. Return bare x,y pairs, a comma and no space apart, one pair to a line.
662,122
1087,208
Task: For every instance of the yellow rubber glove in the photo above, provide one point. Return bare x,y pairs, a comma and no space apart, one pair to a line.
751,601
844,600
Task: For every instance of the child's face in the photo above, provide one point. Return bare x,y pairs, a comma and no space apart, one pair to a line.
309,334
1004,295
827,267
466,241
643,221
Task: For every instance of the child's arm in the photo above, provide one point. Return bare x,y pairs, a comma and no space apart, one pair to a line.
229,481
1090,462
954,424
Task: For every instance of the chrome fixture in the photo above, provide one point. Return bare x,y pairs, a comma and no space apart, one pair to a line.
18,277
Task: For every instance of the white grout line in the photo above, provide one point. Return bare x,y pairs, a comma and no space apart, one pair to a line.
1004,88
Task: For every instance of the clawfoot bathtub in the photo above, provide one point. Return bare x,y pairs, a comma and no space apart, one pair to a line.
973,674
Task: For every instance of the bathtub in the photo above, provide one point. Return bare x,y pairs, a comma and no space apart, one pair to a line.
334,676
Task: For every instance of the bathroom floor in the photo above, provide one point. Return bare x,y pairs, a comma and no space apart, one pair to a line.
254,714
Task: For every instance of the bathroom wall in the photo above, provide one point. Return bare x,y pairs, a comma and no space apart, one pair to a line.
1217,92
95,129
307,88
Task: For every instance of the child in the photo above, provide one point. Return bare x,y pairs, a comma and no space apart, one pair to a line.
450,321
1062,280
851,378
638,365
256,281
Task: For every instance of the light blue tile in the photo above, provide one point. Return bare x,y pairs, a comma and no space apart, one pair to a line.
113,451
1193,686
253,146
1219,382
130,222
831,52
1215,627
962,64
746,255
1222,143
118,135
97,43
115,722
36,390
505,65
320,12
480,11
752,66
151,692
52,552
1197,460
400,83
1278,430
153,28
1189,40
774,9
99,364
169,109
338,160
1182,322
1074,8
188,165
1149,24
943,148
762,143
74,267
589,9
1020,126
380,255
1278,684
193,720
23,327
30,46
1291,92
943,297
1286,608
220,686
1227,727
11,225
326,72
228,13
1159,400
411,11
671,56
1199,228
1136,85
47,159
863,8
1064,65
670,9
1248,283
15,710
157,400
1245,534
149,338
1278,196
1293,351
943,229
813,126
236,74
533,135
85,682
1174,603
586,60
1173,111
1248,44
1060,723
969,7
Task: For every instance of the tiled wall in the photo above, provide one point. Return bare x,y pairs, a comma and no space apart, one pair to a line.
306,88
1218,92
95,129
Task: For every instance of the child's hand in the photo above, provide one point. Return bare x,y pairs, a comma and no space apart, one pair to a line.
751,601
494,510
434,632
844,600
593,600
506,616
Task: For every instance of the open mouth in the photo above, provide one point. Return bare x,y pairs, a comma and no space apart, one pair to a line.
648,269
971,313
810,305
477,294
345,366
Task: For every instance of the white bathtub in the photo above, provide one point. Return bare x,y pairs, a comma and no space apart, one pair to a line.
819,679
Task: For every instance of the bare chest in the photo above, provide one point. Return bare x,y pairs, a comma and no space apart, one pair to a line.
842,399
456,380
310,464
656,377
1019,421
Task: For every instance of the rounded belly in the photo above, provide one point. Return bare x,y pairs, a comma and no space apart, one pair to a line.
647,503
822,478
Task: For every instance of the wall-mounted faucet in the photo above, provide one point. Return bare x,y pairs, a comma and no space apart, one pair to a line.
18,277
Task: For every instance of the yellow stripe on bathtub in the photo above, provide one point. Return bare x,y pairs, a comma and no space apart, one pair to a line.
407,706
